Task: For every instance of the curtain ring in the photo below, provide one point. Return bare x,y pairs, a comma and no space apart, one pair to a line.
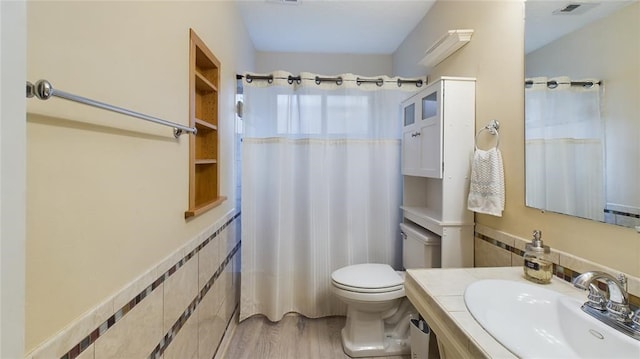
338,80
399,83
249,79
270,80
419,83
552,84
380,82
358,81
291,79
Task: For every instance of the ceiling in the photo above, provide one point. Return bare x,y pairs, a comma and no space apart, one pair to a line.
331,26
380,26
543,26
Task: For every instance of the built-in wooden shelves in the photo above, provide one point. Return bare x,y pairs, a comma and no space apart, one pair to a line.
204,165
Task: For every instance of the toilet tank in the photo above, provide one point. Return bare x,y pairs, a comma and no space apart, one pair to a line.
420,247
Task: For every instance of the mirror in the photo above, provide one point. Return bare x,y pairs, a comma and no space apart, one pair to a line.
582,109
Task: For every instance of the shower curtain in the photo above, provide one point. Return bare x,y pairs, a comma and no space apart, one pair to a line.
321,187
564,135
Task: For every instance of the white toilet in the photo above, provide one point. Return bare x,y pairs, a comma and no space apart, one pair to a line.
378,312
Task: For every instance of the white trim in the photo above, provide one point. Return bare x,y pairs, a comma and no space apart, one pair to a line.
13,38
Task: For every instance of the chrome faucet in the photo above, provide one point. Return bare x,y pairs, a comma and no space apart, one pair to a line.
616,311
618,303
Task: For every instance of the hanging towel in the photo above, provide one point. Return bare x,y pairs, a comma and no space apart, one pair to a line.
486,193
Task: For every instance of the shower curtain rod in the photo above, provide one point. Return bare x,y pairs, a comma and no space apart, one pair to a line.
318,80
44,90
554,84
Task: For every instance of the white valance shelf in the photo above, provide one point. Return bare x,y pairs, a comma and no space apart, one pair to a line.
445,46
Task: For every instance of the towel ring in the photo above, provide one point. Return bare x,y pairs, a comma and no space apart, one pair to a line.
493,128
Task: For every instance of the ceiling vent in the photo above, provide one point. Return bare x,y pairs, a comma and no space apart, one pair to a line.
575,8
286,2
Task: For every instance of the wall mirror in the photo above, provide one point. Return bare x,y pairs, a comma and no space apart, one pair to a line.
582,109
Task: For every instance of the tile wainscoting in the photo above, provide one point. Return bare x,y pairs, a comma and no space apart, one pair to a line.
493,248
178,309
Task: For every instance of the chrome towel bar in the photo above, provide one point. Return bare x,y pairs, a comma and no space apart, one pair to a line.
43,90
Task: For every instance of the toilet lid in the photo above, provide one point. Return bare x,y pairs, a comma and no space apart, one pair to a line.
368,276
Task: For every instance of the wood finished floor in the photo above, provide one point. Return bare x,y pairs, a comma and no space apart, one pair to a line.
294,337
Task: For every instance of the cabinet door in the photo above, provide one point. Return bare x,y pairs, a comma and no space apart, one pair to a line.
410,140
430,132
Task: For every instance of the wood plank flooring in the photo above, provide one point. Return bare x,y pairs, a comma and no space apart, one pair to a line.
294,337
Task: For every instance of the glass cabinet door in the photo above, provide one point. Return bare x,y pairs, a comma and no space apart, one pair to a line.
409,115
430,105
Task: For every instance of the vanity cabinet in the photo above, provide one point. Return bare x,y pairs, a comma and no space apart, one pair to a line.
437,149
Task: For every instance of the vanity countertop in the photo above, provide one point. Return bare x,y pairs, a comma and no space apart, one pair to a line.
438,296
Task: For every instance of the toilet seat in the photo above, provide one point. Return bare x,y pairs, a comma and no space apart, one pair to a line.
367,290
368,278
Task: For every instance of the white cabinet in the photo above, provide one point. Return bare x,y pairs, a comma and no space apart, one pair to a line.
437,149
422,133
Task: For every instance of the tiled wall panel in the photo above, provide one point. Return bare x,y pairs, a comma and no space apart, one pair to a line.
208,261
57,346
137,333
492,247
211,324
88,353
179,290
489,255
185,343
178,309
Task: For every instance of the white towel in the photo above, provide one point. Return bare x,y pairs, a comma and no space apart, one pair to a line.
486,193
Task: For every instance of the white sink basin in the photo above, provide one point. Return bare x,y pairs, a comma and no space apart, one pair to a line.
534,322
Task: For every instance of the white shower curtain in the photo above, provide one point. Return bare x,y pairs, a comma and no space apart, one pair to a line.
564,148
321,188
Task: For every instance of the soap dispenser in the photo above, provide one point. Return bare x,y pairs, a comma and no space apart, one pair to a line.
538,267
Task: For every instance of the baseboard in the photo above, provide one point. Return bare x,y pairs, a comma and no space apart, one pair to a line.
228,334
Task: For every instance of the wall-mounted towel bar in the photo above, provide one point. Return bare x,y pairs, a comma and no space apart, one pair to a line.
43,90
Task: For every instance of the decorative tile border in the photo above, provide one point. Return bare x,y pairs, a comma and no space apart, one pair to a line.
621,218
620,213
561,271
175,328
119,314
502,245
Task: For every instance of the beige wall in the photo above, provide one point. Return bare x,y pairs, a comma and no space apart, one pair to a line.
106,194
325,64
495,57
608,50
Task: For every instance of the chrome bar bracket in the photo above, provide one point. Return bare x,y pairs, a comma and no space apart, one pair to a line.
31,90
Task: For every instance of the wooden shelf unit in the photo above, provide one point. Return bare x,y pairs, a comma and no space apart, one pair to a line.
204,165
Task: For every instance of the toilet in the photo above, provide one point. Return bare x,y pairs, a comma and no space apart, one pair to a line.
378,312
